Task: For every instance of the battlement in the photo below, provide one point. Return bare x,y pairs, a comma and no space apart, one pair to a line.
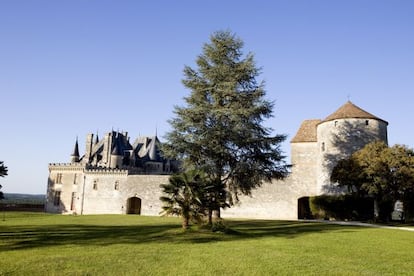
66,166
103,170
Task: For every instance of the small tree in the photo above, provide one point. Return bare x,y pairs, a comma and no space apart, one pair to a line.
220,130
182,196
3,172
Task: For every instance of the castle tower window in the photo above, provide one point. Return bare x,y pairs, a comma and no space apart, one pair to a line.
323,146
366,122
59,178
336,123
116,187
56,198
95,185
75,179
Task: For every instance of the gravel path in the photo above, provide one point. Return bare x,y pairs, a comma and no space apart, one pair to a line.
356,223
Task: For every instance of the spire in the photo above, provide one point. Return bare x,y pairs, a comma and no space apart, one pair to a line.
96,138
75,154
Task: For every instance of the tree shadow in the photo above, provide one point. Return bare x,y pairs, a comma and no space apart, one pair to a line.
349,138
38,236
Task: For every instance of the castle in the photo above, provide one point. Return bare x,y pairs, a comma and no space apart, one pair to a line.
115,177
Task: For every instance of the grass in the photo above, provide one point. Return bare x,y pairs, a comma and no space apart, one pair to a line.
45,244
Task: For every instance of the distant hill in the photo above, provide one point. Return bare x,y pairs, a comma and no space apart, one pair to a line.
23,199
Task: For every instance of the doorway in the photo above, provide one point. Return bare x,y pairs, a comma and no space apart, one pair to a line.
134,205
304,211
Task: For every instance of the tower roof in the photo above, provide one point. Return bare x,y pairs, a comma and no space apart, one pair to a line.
306,132
350,110
76,149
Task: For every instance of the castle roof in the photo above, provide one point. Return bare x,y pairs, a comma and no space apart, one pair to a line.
306,132
148,148
76,149
350,110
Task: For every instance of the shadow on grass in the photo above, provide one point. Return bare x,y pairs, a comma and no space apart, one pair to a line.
34,236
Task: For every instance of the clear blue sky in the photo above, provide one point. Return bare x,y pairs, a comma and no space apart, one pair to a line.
68,68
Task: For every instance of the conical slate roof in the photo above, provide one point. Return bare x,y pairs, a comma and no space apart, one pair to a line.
306,132
350,110
76,149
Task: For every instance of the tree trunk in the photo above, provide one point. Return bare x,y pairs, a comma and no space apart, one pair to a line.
185,223
216,214
210,217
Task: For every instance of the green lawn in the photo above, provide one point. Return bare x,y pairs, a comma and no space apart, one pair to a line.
44,244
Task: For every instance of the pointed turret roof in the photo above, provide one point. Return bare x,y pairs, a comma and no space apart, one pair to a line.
116,150
76,149
350,110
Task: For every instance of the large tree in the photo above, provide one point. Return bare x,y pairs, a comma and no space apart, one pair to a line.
3,172
220,130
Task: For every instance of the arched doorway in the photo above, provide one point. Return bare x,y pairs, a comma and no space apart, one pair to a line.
304,211
134,205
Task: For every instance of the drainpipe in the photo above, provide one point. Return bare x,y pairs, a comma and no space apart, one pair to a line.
83,193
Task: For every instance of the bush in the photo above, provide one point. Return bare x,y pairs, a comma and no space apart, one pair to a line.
342,207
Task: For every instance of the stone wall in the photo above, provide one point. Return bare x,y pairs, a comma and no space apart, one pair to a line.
113,191
273,200
338,139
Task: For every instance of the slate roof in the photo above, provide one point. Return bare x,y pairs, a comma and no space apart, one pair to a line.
76,149
306,132
350,110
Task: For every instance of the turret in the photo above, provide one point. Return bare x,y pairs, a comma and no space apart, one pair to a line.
342,133
116,157
74,158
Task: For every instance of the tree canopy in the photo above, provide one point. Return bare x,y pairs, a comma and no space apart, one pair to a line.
183,196
385,173
220,129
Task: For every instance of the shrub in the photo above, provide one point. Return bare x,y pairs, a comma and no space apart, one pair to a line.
342,207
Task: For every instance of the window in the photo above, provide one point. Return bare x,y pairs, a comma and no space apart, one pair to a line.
56,198
95,184
366,122
116,187
336,123
323,146
59,178
75,179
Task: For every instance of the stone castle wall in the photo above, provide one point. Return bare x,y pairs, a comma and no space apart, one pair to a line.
338,139
102,191
76,188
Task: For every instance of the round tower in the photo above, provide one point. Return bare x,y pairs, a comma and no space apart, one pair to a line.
116,157
342,133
